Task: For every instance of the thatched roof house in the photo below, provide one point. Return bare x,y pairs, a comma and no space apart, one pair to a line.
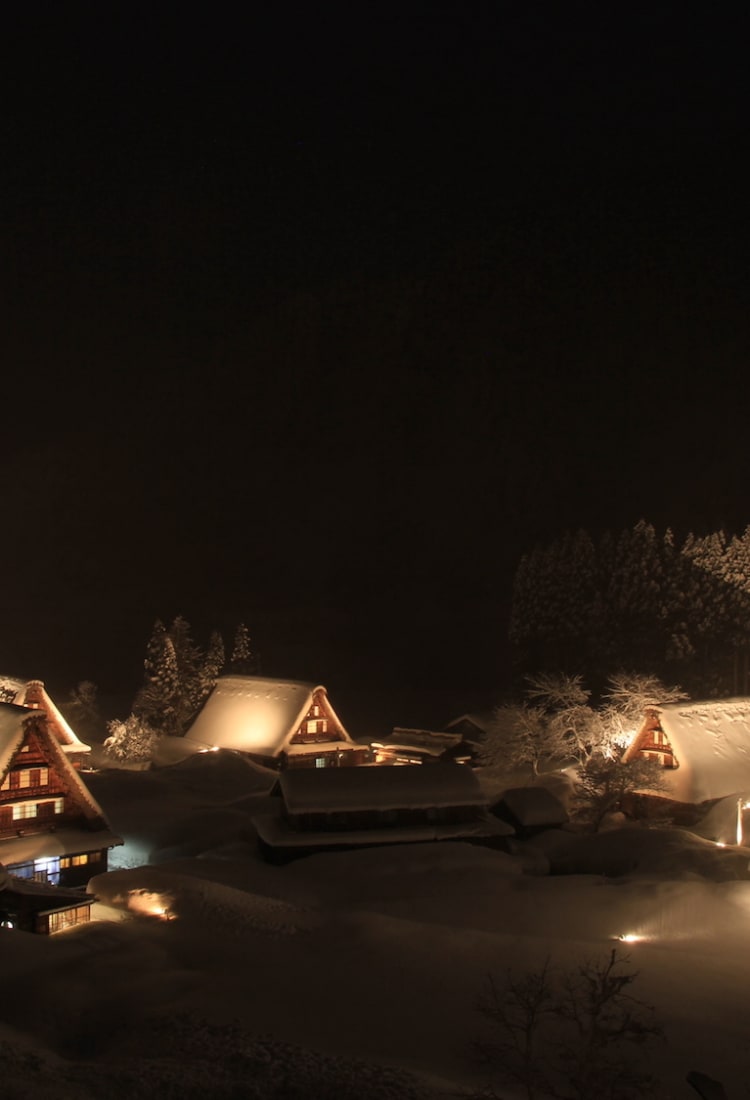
286,723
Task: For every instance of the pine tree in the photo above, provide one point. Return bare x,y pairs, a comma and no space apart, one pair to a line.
243,661
213,663
158,701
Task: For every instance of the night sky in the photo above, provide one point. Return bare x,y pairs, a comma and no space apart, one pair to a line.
318,318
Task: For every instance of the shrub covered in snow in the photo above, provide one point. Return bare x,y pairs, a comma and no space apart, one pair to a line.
130,741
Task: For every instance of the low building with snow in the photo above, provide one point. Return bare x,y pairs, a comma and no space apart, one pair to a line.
29,906
530,810
364,807
281,723
417,746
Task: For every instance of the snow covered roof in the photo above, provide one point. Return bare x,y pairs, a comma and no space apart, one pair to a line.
711,743
323,790
251,714
12,733
277,833
32,693
429,741
65,841
533,807
466,724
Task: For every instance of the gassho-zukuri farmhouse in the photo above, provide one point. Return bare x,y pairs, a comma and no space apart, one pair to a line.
279,723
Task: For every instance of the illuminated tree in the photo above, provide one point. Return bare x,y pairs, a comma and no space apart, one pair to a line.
213,663
131,740
158,701
243,661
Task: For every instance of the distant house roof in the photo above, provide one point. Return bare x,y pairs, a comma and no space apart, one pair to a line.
258,716
711,746
432,742
380,788
476,724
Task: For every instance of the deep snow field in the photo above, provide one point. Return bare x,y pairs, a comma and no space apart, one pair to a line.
352,974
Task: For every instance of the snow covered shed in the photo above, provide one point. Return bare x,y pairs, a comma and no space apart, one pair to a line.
51,827
704,748
38,907
283,723
381,805
530,810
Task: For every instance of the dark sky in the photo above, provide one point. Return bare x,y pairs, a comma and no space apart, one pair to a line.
318,317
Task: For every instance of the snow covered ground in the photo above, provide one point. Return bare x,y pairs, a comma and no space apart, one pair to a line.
352,974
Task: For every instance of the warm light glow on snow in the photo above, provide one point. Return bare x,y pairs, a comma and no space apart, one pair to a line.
631,937
148,904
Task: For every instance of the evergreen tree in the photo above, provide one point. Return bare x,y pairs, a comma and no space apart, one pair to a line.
243,661
213,663
190,661
636,600
158,701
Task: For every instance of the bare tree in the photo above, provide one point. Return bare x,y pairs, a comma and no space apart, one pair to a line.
573,1034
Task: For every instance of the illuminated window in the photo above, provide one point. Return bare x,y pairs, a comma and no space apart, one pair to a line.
320,761
316,725
57,922
23,811
26,777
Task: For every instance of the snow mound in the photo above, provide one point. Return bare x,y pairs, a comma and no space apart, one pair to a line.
222,909
668,853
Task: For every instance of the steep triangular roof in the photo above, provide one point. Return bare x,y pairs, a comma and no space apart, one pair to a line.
256,715
16,723
32,693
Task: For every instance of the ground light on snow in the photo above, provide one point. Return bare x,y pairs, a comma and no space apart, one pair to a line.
147,903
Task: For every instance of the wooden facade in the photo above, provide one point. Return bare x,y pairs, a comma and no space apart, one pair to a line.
320,740
363,807
652,743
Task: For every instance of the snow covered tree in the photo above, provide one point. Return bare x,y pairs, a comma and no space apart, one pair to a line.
213,663
157,702
243,661
190,662
573,724
519,737
603,783
626,697
178,676
130,741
